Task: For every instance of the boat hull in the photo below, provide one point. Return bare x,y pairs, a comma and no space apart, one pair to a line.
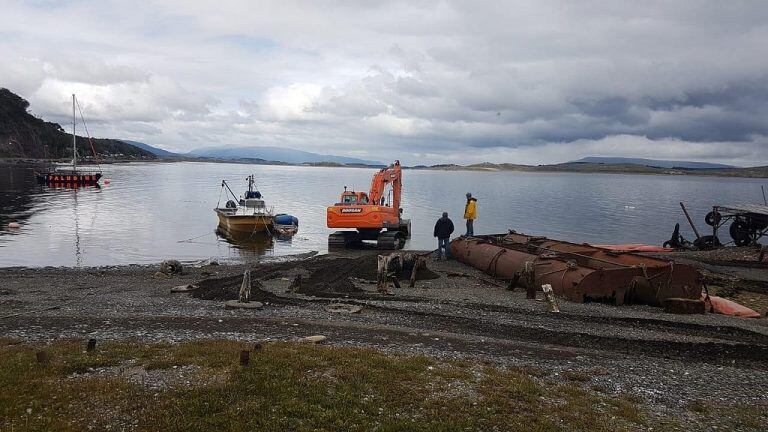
243,223
68,178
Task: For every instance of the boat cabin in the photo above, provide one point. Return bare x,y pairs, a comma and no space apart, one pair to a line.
256,204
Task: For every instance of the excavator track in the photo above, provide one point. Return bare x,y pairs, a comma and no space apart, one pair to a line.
343,239
387,240
391,240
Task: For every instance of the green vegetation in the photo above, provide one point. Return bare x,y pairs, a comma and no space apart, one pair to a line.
289,386
23,135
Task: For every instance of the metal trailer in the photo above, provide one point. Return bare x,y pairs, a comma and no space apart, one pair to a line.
748,222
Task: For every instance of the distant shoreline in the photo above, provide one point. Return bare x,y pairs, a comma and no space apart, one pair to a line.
570,167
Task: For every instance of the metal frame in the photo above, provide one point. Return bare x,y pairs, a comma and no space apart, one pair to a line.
731,212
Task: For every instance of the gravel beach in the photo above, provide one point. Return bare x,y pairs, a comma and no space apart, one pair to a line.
670,361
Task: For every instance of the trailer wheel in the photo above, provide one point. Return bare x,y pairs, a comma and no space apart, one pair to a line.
740,233
713,218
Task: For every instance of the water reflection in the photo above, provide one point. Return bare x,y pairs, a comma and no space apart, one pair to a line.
16,183
258,242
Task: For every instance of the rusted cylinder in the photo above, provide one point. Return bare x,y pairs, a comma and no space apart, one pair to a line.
580,272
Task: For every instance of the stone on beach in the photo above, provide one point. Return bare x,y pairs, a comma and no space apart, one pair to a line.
235,304
343,308
171,267
315,339
184,288
160,275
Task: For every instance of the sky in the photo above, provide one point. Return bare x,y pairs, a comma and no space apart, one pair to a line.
428,82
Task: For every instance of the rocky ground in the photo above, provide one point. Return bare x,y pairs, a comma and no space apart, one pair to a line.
671,362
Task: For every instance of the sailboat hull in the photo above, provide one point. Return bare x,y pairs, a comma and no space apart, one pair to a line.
68,178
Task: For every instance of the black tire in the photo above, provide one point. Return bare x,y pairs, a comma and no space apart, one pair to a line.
740,233
757,222
231,204
706,242
713,218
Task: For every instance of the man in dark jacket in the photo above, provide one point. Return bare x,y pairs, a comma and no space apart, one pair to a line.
443,231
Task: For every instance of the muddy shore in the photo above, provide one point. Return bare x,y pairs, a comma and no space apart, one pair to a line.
668,360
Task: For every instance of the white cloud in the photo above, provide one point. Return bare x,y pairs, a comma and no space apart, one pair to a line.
537,82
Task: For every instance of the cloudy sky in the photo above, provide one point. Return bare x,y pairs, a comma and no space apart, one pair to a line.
422,81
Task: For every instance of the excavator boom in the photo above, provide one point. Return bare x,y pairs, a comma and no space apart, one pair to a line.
390,178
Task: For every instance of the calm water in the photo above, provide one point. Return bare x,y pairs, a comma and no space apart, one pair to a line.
149,212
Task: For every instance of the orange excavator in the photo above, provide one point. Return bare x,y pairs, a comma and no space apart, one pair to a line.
375,215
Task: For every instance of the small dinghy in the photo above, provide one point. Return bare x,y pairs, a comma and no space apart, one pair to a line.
249,214
286,225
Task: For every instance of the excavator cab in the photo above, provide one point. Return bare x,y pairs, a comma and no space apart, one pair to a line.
353,198
375,215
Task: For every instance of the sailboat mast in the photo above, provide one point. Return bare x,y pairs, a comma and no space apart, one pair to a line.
74,135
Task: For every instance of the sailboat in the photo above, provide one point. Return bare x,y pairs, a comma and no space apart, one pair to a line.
69,174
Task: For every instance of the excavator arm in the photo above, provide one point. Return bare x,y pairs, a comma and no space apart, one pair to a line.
392,175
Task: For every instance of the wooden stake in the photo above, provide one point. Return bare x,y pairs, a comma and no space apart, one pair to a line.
91,345
245,357
549,295
42,357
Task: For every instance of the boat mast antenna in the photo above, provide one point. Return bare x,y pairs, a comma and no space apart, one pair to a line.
74,135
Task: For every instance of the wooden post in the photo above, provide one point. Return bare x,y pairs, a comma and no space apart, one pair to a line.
244,357
91,345
245,288
549,295
690,221
42,357
529,276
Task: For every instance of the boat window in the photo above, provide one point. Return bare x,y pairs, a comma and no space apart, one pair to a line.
254,203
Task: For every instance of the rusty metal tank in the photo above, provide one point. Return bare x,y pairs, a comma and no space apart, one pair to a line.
580,272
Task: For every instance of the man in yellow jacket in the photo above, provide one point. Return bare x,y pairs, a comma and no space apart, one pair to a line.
470,214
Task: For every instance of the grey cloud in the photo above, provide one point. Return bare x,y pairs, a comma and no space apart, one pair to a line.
446,80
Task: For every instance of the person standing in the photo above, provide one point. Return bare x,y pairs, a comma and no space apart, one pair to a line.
443,231
470,214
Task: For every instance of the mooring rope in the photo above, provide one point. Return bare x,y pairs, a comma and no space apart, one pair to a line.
195,238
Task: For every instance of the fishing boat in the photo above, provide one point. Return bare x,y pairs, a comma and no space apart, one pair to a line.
249,214
69,174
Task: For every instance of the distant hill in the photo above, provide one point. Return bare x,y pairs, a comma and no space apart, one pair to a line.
590,167
277,154
154,150
651,162
23,135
